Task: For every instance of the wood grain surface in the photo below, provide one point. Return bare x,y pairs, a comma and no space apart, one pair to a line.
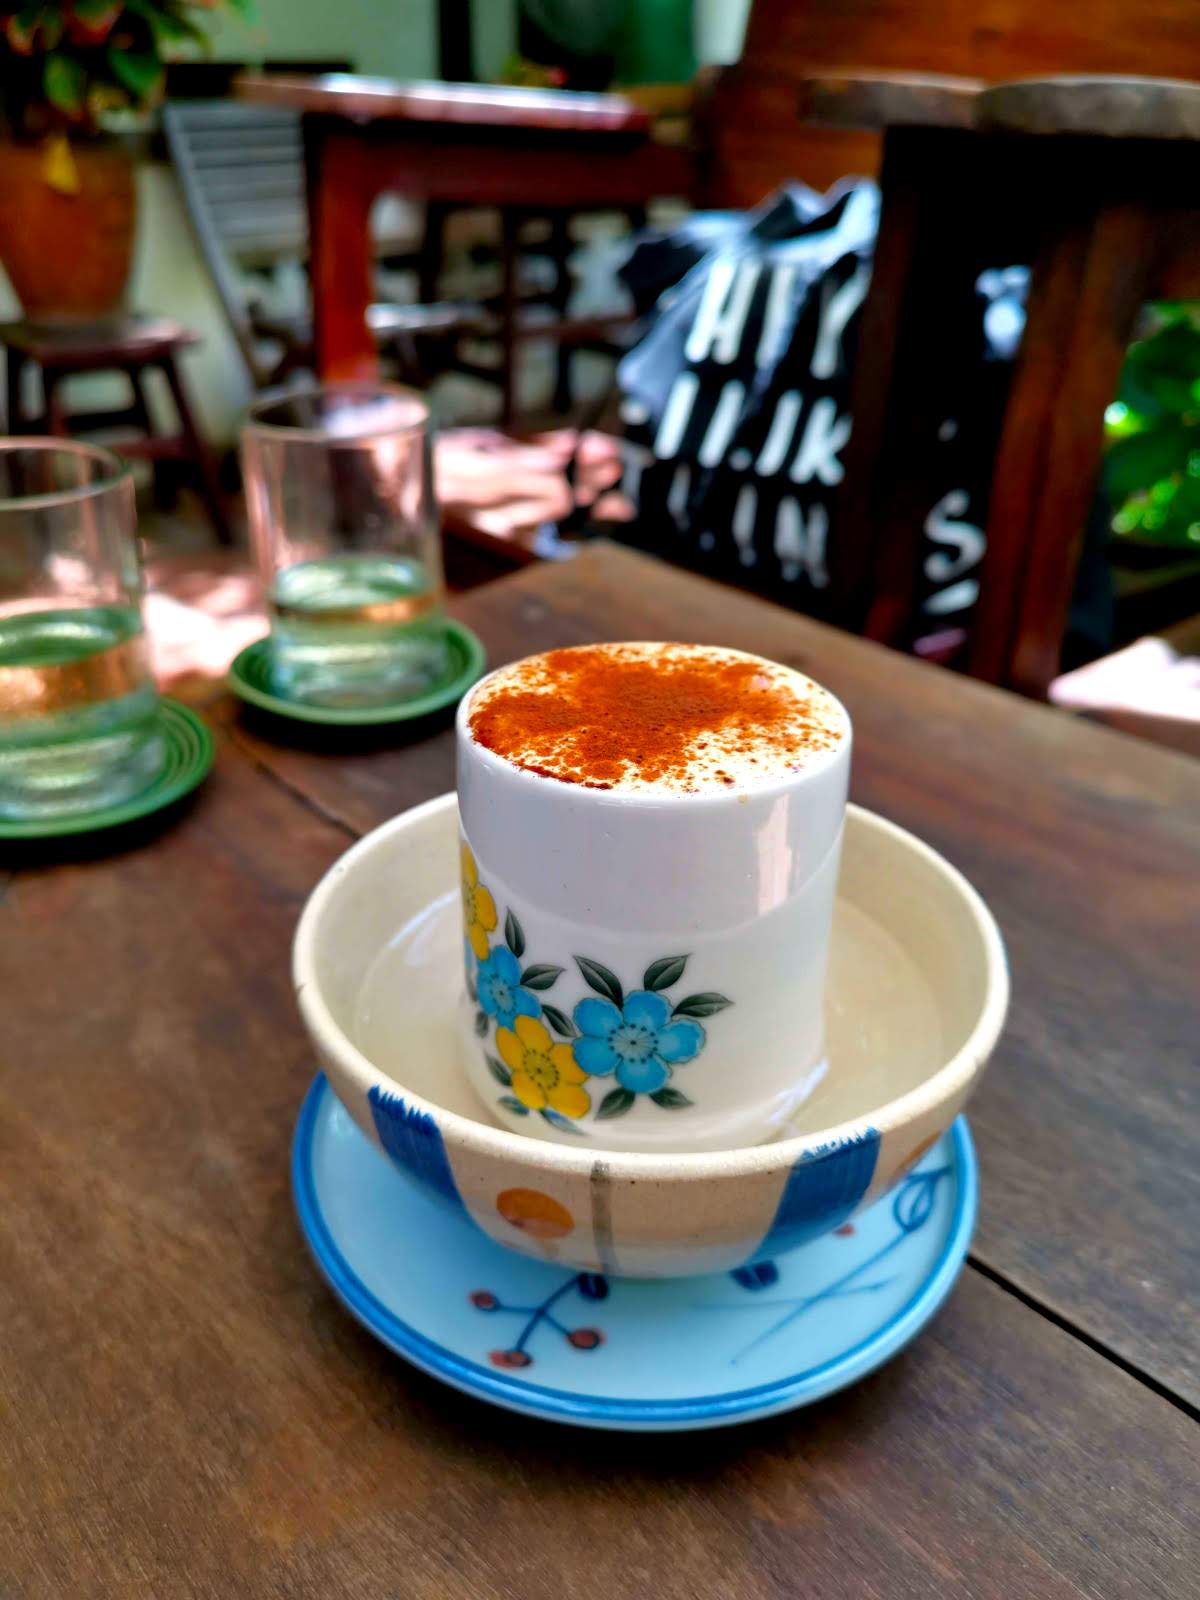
188,1412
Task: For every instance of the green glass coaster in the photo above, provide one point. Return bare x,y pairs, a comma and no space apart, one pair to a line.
189,755
250,679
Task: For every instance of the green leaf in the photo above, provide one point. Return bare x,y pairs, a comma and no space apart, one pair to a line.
701,1005
499,1071
514,935
171,26
140,71
34,28
92,20
511,1103
560,1022
540,977
670,1099
64,81
246,9
563,1124
600,979
1141,459
663,973
481,1023
615,1104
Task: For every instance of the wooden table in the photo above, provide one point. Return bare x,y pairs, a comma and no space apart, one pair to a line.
537,149
188,1412
1091,183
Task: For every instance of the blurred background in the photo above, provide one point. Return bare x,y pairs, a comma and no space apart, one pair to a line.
631,261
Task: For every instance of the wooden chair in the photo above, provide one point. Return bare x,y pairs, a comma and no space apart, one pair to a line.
528,153
241,172
1087,181
130,345
1093,181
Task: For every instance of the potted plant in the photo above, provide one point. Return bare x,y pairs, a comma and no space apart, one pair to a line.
67,199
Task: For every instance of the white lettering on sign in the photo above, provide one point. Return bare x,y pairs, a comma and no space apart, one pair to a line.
964,544
677,494
964,540
777,316
837,307
779,436
800,548
724,420
824,435
743,523
958,597
717,330
676,413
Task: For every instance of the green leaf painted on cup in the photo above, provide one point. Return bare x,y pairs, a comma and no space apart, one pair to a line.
670,1099
600,979
560,1022
701,1005
615,1104
540,976
661,974
514,935
499,1071
511,1103
481,1023
563,1124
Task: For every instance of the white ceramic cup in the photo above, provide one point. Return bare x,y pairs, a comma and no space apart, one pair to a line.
645,966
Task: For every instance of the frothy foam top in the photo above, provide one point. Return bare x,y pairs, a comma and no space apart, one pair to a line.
681,718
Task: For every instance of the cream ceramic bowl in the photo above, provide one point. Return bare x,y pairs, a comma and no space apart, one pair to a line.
915,1000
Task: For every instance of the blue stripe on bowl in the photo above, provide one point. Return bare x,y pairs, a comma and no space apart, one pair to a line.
596,1411
414,1142
822,1190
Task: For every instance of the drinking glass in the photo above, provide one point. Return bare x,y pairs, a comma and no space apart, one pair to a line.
339,487
78,707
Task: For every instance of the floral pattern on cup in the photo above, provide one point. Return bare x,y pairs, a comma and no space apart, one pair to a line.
544,1056
479,909
501,993
640,1038
542,1074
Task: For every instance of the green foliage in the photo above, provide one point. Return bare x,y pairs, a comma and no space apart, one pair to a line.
64,81
1153,466
139,71
64,63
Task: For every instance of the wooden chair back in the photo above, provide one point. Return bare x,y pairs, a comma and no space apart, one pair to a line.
241,172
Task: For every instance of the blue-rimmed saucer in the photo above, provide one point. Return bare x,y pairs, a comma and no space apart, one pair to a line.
570,1346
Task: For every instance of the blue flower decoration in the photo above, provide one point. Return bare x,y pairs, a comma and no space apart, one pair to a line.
639,1042
500,991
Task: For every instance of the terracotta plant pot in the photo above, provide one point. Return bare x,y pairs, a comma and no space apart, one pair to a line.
67,255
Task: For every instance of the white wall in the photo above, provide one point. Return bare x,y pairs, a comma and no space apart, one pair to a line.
389,38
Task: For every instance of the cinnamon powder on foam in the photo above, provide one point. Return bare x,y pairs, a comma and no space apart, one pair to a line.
681,717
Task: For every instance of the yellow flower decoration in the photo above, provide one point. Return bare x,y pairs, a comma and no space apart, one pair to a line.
543,1073
479,909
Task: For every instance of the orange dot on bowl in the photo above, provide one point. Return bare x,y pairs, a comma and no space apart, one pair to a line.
535,1213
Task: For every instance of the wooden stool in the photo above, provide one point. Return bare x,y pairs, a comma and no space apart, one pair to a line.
131,345
1092,183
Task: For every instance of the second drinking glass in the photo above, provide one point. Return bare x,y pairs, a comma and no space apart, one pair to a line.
345,533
